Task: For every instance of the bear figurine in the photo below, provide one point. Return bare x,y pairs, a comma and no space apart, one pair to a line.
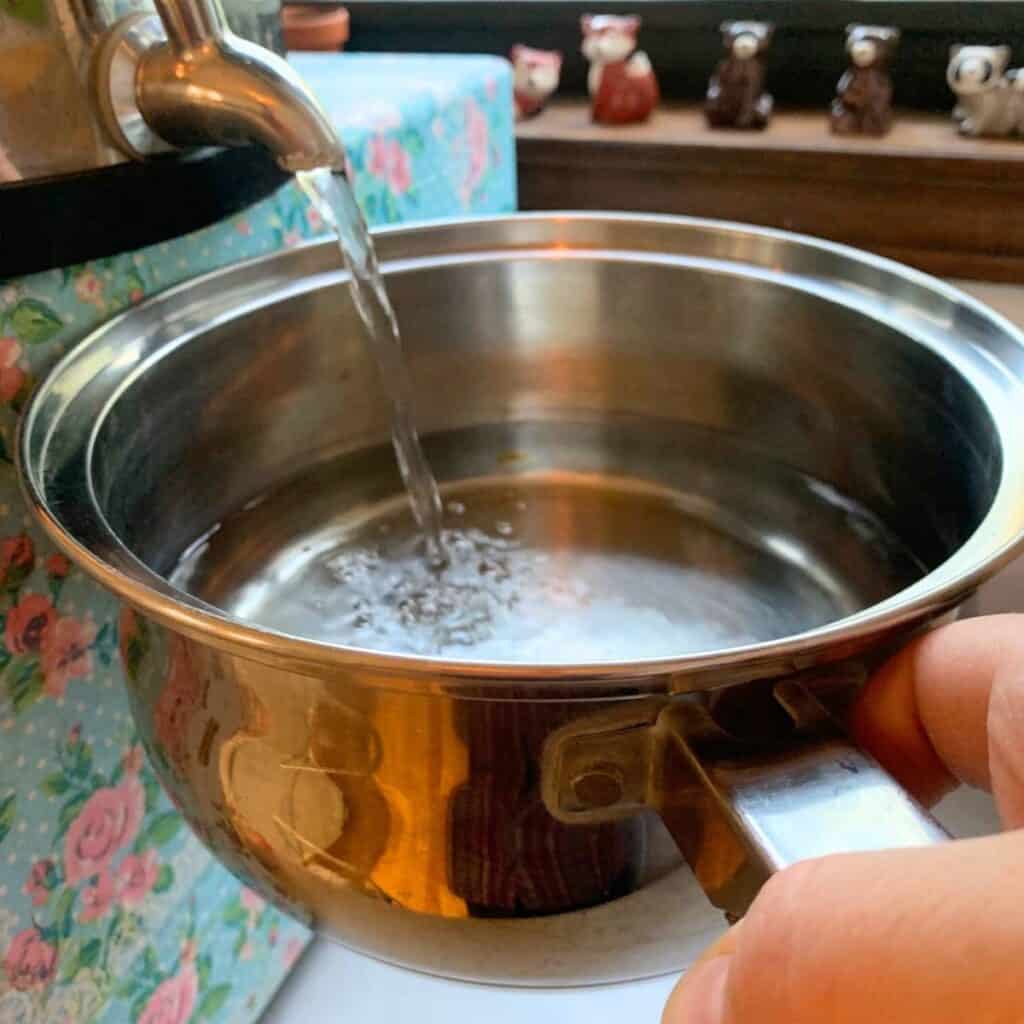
621,82
990,98
735,97
535,78
863,103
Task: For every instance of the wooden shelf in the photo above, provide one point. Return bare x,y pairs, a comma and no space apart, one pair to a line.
924,195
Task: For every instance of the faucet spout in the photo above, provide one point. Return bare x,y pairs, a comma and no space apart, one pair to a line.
198,84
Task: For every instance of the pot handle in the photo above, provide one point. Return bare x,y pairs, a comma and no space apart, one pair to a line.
739,811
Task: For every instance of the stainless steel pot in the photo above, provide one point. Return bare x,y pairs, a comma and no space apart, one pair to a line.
505,822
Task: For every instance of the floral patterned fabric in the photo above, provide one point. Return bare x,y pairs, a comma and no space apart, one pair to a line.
435,137
111,911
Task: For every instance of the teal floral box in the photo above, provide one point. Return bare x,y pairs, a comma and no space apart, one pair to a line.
429,136
111,911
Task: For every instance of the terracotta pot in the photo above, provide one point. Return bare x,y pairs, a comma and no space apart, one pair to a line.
314,27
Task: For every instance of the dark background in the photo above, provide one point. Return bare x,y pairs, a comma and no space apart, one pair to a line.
683,41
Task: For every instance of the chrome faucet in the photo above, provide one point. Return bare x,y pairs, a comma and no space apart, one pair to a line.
89,84
184,79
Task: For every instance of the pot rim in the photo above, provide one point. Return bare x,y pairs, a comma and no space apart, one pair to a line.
996,540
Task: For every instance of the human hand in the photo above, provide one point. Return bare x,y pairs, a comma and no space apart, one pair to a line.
923,936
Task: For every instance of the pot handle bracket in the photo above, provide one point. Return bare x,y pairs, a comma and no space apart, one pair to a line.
739,811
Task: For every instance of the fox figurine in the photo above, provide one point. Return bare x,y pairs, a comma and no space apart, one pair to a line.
621,82
535,78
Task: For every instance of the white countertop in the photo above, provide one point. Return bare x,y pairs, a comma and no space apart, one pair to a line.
332,984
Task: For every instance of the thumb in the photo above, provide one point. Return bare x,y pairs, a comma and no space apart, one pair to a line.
924,936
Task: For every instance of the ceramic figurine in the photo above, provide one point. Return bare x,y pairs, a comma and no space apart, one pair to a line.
735,96
622,86
990,98
863,103
536,74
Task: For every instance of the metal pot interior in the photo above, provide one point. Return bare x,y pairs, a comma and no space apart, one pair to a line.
839,431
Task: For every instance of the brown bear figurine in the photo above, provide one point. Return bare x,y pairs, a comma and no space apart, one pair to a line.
735,98
863,103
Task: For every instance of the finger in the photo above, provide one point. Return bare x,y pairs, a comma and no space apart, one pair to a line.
925,714
704,980
928,936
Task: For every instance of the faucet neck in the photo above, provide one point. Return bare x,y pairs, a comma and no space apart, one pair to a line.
191,24
191,82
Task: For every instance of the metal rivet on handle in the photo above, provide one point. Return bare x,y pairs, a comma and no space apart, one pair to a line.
599,786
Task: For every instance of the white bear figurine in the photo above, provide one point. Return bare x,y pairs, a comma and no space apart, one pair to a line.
991,98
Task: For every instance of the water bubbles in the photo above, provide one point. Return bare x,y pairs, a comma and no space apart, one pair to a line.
495,597
352,566
418,607
334,200
574,581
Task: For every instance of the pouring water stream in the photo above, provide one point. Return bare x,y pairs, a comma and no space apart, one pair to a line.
333,199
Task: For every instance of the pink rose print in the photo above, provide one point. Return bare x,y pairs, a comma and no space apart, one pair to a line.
243,227
175,704
136,876
16,557
65,654
40,882
97,898
12,377
292,949
390,162
30,962
108,820
313,219
28,622
252,900
491,85
292,239
350,172
400,177
174,999
254,903
131,762
57,567
477,141
377,165
89,288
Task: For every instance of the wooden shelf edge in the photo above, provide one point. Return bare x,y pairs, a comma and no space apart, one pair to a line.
923,195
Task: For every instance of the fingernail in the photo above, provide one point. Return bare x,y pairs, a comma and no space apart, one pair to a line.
700,996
